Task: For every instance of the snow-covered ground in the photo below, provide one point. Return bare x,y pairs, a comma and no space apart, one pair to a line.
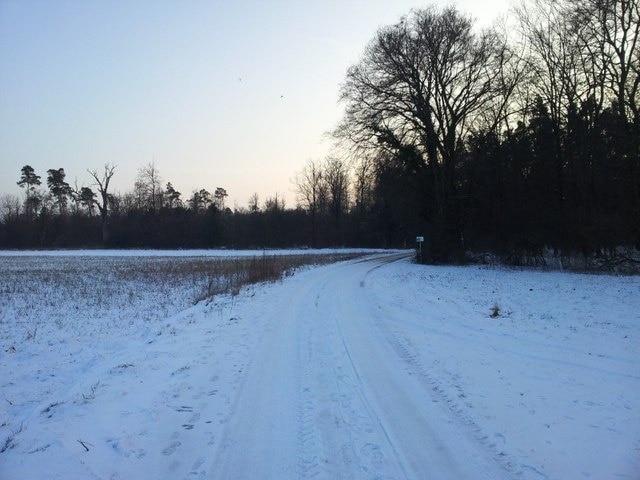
218,253
374,368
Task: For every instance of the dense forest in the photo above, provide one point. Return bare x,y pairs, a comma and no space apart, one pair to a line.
511,140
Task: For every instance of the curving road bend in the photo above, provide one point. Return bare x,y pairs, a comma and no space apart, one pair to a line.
331,392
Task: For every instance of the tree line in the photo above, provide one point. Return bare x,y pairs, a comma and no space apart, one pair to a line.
333,208
152,215
509,139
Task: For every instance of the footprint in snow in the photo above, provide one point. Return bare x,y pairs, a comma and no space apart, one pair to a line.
183,408
372,451
171,448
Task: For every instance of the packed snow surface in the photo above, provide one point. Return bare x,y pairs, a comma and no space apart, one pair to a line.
375,368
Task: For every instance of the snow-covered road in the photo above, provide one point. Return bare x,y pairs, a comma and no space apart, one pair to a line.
331,393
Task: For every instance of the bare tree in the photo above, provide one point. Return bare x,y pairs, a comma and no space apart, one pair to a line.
553,55
421,87
254,203
275,204
74,193
336,180
364,183
565,53
102,183
309,187
149,185
584,49
510,100
9,207
610,30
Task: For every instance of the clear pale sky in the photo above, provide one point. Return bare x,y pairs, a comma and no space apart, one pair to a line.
232,94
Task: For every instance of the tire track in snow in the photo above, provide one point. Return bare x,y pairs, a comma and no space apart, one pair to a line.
327,396
429,441
384,317
308,459
440,396
338,433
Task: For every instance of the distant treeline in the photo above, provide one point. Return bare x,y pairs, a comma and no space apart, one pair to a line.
155,217
504,140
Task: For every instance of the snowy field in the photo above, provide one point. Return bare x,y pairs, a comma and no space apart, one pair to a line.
218,253
370,368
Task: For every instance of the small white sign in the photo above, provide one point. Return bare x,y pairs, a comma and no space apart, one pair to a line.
419,239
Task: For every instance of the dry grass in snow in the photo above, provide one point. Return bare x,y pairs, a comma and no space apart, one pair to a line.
72,293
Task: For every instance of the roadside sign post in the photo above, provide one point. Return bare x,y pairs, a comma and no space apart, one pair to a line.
420,241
